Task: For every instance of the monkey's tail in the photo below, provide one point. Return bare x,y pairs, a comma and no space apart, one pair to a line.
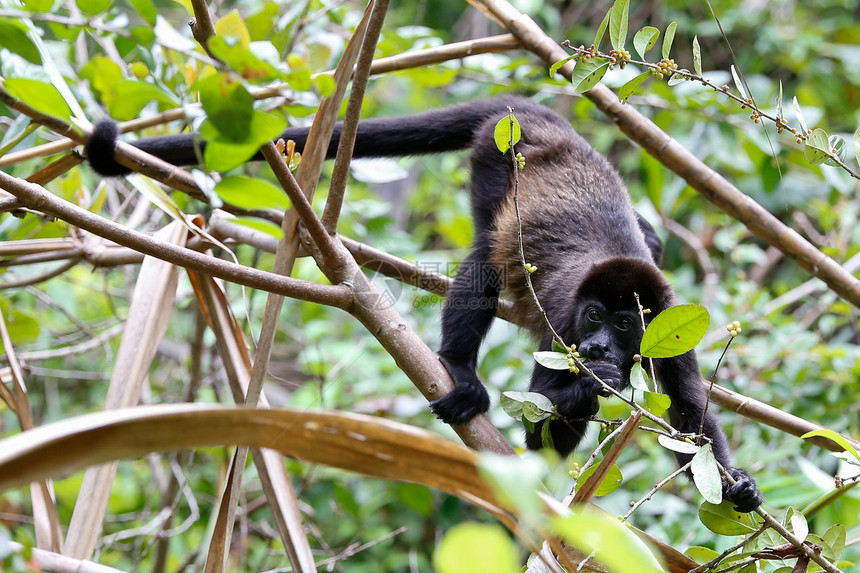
447,129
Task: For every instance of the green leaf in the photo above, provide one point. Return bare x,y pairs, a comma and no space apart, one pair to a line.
23,327
779,113
674,331
587,74
836,145
41,96
546,436
816,147
469,547
13,37
799,114
610,483
706,475
601,30
678,446
657,403
228,105
618,19
834,538
611,542
249,193
638,377
93,7
557,66
507,132
232,25
724,520
534,413
630,87
241,60
324,84
146,9
668,38
739,84
701,555
551,360
796,523
38,5
104,76
223,154
645,39
831,435
857,145
261,225
131,97
697,56
513,403
677,78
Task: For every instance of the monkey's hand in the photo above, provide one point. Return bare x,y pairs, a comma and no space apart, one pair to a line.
744,493
606,371
468,398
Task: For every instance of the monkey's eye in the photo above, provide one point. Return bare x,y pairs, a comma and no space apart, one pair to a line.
624,324
593,315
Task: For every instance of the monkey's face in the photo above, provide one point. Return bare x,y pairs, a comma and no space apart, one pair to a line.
606,334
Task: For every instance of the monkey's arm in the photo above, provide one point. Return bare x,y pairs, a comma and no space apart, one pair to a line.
680,379
575,397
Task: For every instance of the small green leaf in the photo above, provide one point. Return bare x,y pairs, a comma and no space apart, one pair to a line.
241,60
146,9
324,84
638,377
223,154
668,38
739,84
857,145
677,445
476,547
630,87
657,403
534,413
23,327
249,193
93,7
228,105
552,360
41,96
618,19
645,39
799,114
587,74
507,132
834,538
779,114
232,25
831,435
546,436
611,542
131,96
557,66
601,30
697,56
13,37
701,555
706,475
38,5
512,402
816,147
610,483
724,520
674,331
836,146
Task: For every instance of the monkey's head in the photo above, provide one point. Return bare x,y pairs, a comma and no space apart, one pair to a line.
606,325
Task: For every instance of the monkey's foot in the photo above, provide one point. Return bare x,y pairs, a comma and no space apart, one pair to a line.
461,404
744,493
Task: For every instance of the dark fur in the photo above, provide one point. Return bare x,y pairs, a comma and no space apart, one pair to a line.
579,228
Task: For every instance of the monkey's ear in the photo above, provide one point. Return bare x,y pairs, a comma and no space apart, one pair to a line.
614,282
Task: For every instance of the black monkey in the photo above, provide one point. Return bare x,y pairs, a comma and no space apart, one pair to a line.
591,249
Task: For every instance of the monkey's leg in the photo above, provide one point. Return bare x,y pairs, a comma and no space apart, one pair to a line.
469,309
